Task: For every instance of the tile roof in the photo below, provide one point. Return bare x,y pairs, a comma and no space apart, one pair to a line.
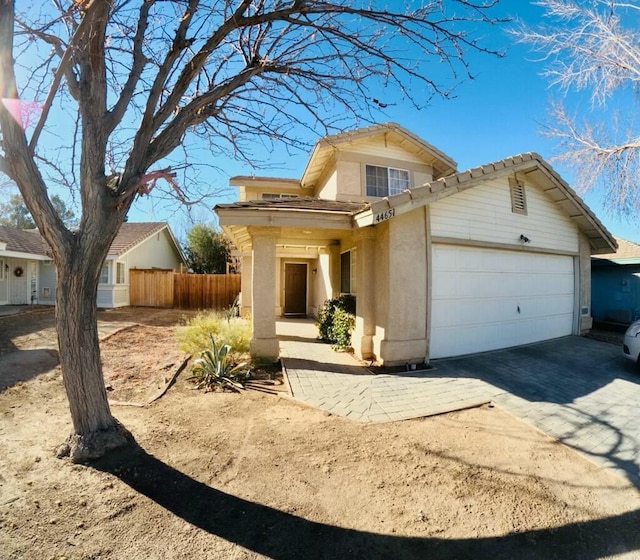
626,250
566,198
132,234
24,241
30,241
384,127
306,203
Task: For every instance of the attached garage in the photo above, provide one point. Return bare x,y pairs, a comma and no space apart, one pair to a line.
484,299
448,263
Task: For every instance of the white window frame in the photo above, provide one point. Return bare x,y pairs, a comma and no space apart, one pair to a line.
120,267
401,184
3,269
105,267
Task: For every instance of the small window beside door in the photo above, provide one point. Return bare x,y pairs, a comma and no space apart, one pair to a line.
346,273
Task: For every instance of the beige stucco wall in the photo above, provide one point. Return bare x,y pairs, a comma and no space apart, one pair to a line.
401,287
321,283
583,269
345,181
328,186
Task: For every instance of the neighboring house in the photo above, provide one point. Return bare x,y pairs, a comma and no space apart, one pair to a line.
27,274
441,263
23,261
615,284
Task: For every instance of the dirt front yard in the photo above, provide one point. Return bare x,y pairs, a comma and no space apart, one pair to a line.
227,476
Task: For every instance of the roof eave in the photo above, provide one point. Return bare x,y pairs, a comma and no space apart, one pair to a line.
452,184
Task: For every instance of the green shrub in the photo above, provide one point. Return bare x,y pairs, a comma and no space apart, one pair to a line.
195,337
336,320
215,370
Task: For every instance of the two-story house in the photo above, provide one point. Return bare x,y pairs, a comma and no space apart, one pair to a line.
441,263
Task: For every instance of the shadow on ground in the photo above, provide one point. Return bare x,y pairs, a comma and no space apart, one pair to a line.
280,535
24,365
558,371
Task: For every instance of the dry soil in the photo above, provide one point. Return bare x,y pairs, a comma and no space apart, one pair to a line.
254,475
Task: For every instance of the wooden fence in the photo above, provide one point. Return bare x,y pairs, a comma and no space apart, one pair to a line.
165,288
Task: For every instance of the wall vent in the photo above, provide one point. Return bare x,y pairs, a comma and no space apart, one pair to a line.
518,196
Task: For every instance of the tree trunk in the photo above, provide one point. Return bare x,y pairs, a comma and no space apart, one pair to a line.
95,430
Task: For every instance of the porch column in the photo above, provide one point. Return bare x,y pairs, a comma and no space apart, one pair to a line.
245,286
365,328
263,292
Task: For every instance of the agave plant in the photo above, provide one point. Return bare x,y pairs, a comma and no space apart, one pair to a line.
213,369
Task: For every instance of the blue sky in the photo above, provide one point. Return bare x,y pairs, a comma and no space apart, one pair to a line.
494,116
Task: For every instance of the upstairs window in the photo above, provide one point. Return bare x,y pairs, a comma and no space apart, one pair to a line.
385,181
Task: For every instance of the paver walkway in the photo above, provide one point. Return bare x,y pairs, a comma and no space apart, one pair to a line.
580,391
336,382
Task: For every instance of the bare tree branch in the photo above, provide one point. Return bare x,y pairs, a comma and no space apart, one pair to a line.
142,78
590,47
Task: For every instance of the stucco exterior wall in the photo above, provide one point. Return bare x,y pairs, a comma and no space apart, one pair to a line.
328,187
401,334
484,213
585,318
346,181
321,283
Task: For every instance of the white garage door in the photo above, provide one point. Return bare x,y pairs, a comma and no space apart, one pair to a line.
484,299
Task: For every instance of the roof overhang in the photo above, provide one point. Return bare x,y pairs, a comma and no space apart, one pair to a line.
530,165
310,229
324,150
251,181
21,255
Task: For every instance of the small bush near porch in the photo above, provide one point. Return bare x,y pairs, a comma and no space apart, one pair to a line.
195,336
336,320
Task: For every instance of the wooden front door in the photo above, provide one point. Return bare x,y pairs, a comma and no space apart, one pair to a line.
295,289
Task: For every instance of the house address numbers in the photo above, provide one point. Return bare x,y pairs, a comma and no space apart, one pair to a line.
382,216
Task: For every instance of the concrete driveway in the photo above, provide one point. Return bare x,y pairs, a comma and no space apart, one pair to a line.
580,391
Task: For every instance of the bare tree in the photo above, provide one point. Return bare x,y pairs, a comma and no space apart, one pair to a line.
133,81
593,47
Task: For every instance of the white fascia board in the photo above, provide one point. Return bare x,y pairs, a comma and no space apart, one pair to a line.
26,256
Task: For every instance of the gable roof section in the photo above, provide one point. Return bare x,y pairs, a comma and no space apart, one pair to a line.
628,253
132,234
23,243
324,148
553,185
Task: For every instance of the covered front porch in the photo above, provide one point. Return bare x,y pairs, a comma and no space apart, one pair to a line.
296,254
